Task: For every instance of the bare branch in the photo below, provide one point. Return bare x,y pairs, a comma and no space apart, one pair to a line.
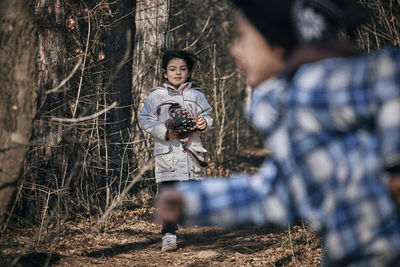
118,200
97,114
55,89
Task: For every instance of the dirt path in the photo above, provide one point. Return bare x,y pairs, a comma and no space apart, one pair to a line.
133,240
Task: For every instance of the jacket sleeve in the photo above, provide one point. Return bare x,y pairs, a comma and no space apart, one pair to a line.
205,110
238,201
150,122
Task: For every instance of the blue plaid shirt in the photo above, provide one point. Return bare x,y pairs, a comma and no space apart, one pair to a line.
334,130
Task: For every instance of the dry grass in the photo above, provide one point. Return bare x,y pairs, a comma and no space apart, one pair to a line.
77,169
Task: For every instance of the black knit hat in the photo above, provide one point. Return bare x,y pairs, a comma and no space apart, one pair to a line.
289,23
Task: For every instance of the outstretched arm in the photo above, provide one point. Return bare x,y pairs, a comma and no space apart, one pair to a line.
235,201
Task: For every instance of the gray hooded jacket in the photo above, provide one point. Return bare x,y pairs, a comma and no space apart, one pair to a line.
171,162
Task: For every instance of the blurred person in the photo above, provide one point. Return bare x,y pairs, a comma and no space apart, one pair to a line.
174,114
331,115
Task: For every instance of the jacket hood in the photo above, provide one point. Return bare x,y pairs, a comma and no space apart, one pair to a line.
171,88
183,86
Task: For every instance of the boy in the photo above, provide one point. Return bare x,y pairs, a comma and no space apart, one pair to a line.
331,115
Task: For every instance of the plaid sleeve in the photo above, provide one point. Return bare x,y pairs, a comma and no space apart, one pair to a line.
341,95
236,201
385,91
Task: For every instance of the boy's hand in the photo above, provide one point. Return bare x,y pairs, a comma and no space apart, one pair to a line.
201,124
169,206
394,187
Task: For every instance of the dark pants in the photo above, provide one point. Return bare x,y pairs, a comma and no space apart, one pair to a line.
168,227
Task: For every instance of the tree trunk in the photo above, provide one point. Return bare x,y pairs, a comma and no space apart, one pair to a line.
51,38
18,92
50,16
118,82
119,44
151,28
51,60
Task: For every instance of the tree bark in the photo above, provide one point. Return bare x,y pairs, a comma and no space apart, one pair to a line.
18,92
45,154
152,18
118,81
50,16
119,46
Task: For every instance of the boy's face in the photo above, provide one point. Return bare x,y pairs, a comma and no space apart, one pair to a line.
255,58
177,72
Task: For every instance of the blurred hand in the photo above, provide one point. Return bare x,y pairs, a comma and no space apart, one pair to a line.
201,124
169,206
394,187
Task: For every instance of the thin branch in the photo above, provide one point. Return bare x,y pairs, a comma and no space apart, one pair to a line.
201,33
55,89
83,68
118,200
95,115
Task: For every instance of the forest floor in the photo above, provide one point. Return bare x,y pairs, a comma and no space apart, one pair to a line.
131,238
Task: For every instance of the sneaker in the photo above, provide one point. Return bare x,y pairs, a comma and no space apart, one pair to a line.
169,242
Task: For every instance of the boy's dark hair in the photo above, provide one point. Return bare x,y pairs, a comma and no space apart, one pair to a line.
188,57
290,23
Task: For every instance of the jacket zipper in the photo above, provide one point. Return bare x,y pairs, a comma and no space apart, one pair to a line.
187,156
